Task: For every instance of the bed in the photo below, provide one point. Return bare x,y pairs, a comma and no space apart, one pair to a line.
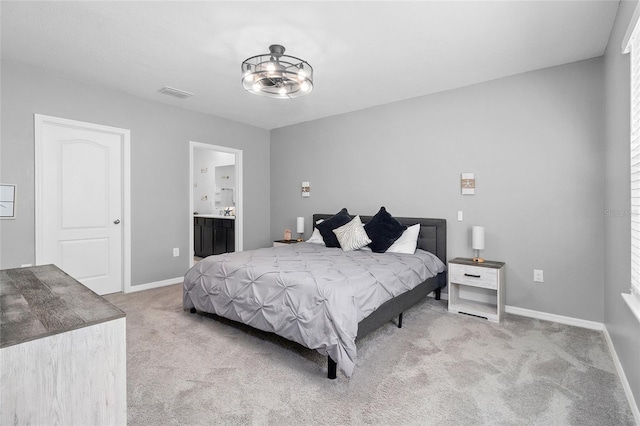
322,298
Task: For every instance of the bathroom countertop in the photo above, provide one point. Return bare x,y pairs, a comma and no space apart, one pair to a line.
214,216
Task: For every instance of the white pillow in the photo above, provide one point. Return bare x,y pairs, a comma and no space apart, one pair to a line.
316,237
407,242
352,236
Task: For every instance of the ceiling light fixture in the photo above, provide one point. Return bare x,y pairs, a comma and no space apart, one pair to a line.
277,75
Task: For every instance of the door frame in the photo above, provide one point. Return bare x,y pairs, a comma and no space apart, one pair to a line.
239,196
125,136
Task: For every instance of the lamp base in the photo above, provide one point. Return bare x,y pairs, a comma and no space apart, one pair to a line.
478,259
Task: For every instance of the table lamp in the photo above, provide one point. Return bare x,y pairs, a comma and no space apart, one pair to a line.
477,242
300,227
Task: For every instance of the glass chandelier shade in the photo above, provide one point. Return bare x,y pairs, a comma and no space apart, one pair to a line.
277,75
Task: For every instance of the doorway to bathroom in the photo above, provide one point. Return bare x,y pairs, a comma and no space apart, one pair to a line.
215,200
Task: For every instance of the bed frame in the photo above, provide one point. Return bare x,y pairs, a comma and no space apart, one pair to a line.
432,238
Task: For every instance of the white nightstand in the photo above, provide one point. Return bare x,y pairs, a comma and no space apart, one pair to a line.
488,275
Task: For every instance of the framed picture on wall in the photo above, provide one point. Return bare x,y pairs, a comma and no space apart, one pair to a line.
7,201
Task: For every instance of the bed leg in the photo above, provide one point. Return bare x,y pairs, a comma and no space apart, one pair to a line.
192,310
438,293
331,364
400,320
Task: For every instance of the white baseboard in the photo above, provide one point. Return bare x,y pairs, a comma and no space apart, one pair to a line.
156,284
623,378
592,325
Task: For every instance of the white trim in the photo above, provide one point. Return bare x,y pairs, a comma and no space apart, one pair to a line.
623,378
577,322
633,304
155,284
239,189
626,41
39,122
126,212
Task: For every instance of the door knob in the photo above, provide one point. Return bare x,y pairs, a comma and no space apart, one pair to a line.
117,221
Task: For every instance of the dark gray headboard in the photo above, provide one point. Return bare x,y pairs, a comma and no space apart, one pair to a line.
432,237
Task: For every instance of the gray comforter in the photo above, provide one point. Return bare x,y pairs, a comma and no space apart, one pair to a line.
306,292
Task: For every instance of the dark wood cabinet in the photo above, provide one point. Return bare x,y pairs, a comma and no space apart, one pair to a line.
213,236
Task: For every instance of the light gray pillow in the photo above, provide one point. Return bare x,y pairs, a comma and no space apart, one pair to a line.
352,236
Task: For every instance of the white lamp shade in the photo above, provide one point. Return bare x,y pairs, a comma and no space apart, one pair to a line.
477,238
300,225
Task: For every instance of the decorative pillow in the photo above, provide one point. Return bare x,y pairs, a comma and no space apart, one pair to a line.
407,242
352,236
316,238
326,228
384,230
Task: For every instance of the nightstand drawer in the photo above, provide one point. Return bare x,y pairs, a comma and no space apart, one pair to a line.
474,276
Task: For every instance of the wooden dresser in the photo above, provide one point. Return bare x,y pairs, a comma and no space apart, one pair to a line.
62,351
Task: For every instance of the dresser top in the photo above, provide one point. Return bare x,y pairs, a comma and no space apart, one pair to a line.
486,264
41,301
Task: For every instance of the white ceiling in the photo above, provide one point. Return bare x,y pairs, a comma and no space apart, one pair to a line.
364,53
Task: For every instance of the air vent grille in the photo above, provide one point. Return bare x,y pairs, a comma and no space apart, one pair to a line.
171,91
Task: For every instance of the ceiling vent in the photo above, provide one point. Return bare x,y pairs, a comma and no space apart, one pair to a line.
175,92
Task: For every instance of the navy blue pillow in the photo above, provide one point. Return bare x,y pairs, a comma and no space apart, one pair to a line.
326,227
383,230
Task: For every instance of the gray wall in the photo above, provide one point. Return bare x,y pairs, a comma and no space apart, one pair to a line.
535,144
622,326
160,136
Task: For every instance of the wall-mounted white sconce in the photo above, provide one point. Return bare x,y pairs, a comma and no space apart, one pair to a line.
300,227
468,184
306,189
477,242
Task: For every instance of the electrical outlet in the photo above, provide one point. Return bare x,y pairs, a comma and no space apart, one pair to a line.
176,252
459,215
538,275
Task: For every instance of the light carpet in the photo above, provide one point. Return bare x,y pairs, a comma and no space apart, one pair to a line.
438,369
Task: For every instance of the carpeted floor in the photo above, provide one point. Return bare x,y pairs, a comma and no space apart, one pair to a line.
439,369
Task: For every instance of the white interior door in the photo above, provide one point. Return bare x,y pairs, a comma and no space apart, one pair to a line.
80,208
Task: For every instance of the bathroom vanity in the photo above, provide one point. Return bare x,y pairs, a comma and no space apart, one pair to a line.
213,234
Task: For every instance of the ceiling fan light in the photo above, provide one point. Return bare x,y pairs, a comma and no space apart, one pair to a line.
277,75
